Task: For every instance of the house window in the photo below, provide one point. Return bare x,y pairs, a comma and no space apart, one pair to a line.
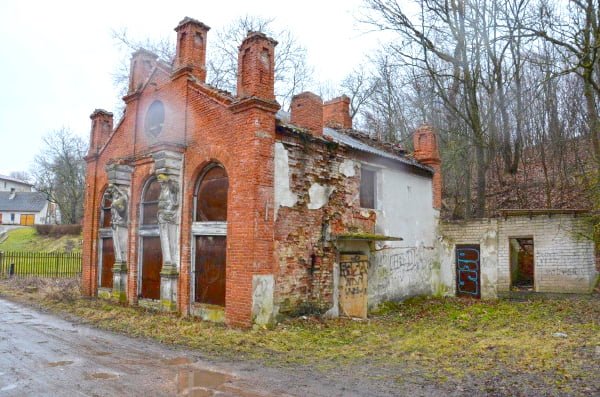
12,217
368,178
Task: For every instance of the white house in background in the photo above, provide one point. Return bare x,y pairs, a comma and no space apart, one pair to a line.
25,208
8,183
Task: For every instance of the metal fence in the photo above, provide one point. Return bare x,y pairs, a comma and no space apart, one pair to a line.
40,264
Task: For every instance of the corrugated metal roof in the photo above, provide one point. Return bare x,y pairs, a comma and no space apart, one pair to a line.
344,139
23,201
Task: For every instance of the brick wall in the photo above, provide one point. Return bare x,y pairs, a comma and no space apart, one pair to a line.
563,259
304,256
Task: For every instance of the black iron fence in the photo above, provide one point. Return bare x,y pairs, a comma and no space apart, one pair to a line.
40,264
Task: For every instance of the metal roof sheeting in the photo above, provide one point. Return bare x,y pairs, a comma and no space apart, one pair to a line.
344,139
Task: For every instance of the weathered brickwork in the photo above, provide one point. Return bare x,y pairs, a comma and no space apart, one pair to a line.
564,260
282,220
303,233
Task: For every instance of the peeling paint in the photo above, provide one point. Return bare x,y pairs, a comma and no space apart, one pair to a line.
318,195
284,197
347,168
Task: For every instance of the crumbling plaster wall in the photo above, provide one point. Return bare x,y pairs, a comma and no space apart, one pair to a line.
316,196
399,269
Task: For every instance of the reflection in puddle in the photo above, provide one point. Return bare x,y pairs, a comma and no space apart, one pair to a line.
59,363
101,375
196,382
177,361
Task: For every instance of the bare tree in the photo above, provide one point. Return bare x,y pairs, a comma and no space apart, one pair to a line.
292,74
59,172
575,33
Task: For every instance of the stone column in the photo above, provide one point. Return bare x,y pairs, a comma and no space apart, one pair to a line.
168,169
119,179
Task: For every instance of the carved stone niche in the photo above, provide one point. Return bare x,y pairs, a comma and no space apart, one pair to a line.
167,168
119,182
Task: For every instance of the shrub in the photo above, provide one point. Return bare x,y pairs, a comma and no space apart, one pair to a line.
58,230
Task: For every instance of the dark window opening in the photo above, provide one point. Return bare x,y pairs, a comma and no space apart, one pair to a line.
150,203
367,188
155,118
211,196
522,263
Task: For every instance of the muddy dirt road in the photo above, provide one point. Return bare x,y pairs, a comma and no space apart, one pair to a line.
41,355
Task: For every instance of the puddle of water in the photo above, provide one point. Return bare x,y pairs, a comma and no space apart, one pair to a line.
189,379
59,363
197,393
101,375
177,361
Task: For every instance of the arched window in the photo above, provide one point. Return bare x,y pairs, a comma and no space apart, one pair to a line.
150,258
106,253
150,203
211,196
210,236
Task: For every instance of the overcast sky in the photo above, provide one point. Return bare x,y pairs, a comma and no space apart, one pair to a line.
58,56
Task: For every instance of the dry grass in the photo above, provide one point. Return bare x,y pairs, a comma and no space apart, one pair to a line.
443,337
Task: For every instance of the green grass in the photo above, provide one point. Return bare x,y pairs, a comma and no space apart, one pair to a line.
444,338
26,239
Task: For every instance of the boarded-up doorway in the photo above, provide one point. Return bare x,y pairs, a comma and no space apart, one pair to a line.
151,266
468,266
522,263
354,269
108,261
210,270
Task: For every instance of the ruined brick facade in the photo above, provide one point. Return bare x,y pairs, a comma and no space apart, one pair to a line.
292,188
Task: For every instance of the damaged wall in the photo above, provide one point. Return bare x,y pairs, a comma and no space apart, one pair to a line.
316,196
563,258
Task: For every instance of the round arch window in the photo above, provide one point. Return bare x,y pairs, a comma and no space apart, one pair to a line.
155,118
211,195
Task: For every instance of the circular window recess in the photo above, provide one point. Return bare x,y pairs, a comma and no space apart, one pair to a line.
155,118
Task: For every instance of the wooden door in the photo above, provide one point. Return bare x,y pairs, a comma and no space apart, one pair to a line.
108,261
0,218
353,284
151,266
27,219
210,270
468,265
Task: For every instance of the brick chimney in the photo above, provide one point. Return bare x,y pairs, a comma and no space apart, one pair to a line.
336,113
307,112
191,47
426,152
102,126
142,63
256,67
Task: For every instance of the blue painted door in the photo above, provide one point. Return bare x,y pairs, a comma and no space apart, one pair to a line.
468,281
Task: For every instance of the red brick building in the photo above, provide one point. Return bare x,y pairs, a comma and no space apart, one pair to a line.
227,208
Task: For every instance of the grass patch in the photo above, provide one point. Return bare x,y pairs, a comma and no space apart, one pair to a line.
26,239
444,338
